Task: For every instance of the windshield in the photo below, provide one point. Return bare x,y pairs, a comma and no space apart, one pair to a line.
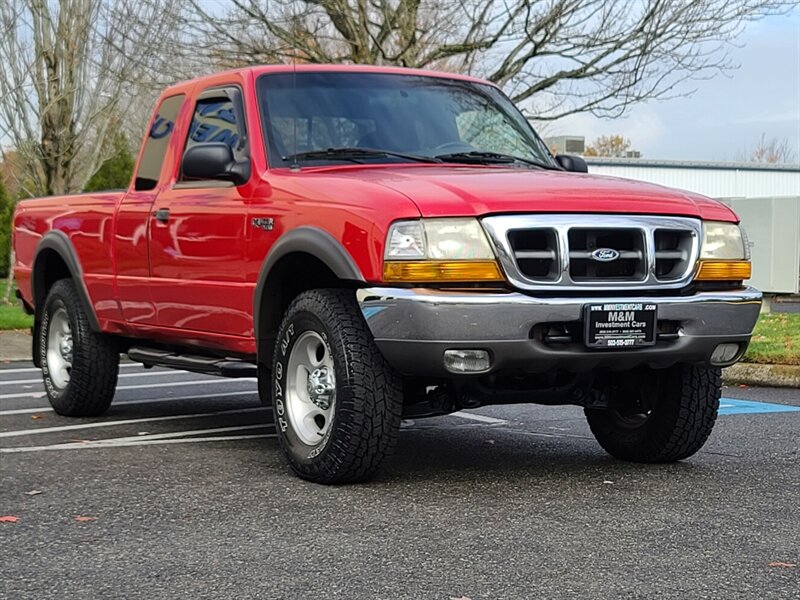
307,114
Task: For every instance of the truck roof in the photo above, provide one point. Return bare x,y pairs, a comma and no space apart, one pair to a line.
257,70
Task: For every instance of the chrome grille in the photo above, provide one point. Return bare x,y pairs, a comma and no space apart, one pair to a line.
673,249
542,252
536,252
628,243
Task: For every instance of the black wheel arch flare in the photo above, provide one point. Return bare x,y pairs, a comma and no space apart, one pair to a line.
312,241
57,242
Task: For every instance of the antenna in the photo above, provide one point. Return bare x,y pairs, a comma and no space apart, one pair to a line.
295,166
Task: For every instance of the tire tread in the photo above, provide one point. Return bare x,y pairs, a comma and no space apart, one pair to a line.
691,394
95,364
371,415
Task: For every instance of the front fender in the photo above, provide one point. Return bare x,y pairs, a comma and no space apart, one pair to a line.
308,240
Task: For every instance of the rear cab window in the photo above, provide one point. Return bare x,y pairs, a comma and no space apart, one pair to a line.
157,142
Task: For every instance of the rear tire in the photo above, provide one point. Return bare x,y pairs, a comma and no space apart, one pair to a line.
79,366
658,416
337,403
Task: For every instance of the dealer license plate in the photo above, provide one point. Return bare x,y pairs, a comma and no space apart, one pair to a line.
620,325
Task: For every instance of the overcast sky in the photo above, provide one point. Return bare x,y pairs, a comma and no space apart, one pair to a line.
725,115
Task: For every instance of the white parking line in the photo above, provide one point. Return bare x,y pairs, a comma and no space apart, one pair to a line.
188,437
550,435
220,380
221,396
171,434
43,430
481,418
37,369
142,440
25,411
223,438
123,376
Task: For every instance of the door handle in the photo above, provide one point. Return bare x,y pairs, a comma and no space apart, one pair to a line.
162,215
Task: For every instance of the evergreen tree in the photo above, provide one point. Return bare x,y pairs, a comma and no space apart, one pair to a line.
6,210
116,172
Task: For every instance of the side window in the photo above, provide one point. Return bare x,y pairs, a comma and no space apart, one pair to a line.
215,120
155,147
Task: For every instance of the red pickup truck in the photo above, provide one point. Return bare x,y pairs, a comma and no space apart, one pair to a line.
374,243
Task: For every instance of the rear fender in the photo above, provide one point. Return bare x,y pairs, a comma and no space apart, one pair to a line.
56,245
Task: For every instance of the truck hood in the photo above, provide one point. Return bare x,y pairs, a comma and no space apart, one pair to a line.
476,191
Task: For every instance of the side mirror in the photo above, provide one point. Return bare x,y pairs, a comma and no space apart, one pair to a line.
215,161
572,163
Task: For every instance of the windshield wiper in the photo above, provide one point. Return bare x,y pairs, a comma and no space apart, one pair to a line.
490,158
354,154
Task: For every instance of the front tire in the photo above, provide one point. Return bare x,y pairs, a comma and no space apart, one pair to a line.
79,366
658,416
337,403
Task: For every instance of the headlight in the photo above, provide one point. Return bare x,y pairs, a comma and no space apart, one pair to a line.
722,241
438,239
406,240
724,254
430,250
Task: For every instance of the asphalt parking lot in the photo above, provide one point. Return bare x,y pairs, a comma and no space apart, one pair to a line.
180,492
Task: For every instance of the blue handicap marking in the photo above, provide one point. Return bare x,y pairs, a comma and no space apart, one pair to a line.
729,406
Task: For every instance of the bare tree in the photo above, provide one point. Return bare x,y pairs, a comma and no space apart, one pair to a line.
68,71
609,145
773,151
557,57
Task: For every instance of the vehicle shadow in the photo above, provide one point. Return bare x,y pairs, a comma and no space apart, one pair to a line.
480,456
483,457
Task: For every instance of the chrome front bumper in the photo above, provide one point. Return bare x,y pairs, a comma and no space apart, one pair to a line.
413,328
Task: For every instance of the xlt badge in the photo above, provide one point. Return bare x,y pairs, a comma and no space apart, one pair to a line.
265,223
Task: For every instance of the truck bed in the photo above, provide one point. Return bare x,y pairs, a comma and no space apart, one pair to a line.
87,220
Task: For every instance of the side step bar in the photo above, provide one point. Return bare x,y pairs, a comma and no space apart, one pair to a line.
224,367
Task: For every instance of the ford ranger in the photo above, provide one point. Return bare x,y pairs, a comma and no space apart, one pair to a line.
374,243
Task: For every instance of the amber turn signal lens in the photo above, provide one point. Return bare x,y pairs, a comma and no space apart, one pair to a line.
437,271
723,270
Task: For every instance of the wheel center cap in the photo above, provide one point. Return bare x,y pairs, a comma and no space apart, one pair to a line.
65,347
321,386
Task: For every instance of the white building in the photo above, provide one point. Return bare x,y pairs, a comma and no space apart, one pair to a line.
714,179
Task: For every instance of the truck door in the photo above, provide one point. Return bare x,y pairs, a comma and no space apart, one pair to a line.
198,232
131,239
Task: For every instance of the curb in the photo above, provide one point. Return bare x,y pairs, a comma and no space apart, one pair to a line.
15,344
763,375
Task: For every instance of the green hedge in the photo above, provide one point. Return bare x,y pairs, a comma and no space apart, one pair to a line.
6,210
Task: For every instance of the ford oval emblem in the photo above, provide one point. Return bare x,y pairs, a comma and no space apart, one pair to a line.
605,255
